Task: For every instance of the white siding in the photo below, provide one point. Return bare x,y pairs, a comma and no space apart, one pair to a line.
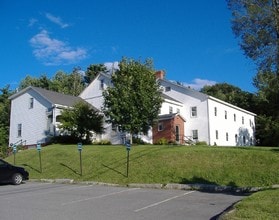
239,134
190,98
93,94
33,120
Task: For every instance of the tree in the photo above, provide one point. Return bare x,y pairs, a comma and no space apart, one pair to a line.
231,94
70,84
4,119
43,82
81,120
93,70
134,100
256,24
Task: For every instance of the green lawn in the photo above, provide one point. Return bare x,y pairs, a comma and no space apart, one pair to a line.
262,205
249,166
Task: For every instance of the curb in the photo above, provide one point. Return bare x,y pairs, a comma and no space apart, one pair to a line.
170,186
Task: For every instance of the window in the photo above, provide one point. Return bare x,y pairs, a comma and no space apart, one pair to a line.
31,102
170,110
234,117
226,115
215,111
177,133
19,130
227,136
194,111
102,84
177,110
160,127
195,134
216,134
167,88
242,120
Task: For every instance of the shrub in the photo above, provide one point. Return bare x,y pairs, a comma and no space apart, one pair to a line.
162,141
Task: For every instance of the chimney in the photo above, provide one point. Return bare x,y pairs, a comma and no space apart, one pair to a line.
160,74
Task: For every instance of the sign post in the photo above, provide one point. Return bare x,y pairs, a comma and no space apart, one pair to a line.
128,148
39,148
79,146
14,152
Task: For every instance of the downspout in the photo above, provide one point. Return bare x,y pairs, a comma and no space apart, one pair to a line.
208,124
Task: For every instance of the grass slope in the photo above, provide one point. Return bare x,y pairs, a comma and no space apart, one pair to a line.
247,166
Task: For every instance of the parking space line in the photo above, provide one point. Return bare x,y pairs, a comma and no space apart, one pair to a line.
166,200
98,197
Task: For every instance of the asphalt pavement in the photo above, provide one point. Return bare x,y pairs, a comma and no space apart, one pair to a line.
51,201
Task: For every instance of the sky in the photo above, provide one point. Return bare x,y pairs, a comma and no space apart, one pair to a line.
190,40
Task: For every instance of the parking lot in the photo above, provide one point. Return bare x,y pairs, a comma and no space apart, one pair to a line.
34,200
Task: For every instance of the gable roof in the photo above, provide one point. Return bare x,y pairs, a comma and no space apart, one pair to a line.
169,116
51,96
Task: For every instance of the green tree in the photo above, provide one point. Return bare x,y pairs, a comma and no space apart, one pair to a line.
93,70
4,118
43,82
81,120
134,101
231,94
256,24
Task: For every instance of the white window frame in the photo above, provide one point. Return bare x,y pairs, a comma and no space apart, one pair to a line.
195,134
31,103
194,112
160,126
19,130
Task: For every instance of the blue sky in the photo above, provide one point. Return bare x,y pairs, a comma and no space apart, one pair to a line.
191,40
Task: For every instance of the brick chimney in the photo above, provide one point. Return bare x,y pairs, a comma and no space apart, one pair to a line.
160,74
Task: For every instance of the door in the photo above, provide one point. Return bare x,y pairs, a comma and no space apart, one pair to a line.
177,133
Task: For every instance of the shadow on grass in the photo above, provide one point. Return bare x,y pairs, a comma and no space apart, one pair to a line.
196,180
200,180
114,170
74,171
32,168
122,162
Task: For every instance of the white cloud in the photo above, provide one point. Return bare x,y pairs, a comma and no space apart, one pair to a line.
112,66
32,21
197,83
56,20
55,52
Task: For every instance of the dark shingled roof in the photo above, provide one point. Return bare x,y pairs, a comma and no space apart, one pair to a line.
51,96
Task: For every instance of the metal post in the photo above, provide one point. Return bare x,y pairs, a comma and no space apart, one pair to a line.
128,159
80,160
40,159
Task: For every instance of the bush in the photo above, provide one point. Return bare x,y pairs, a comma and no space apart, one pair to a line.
162,141
201,143
102,142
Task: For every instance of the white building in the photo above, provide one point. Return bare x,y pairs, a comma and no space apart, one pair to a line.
35,111
207,119
35,115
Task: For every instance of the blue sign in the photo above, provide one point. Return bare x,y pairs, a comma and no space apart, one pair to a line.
14,148
128,146
79,146
39,147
